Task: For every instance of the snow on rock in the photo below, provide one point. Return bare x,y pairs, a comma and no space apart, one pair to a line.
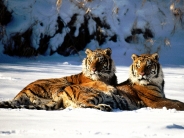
126,26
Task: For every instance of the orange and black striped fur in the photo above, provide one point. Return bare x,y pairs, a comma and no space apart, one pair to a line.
145,85
92,88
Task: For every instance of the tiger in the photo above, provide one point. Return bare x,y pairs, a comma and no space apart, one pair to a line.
145,85
91,88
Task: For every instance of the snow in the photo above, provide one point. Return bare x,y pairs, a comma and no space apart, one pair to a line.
16,73
67,123
145,122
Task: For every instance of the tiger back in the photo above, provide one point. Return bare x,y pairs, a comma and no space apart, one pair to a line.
94,82
145,85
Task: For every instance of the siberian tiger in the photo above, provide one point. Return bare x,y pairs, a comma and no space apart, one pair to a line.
91,88
145,85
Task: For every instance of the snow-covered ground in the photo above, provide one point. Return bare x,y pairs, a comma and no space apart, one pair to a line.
141,123
122,16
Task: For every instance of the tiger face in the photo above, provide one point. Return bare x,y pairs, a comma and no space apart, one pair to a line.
146,69
98,65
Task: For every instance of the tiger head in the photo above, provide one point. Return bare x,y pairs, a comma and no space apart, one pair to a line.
146,69
98,65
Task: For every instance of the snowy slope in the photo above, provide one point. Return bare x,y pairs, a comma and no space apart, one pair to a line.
139,27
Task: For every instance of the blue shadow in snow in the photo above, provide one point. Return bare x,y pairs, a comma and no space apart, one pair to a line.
174,126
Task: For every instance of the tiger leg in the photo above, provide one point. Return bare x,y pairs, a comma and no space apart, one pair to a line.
38,94
31,101
154,99
77,96
102,107
93,98
101,86
168,103
26,99
131,97
19,101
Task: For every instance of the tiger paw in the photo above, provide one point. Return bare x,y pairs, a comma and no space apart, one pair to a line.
179,106
111,89
104,107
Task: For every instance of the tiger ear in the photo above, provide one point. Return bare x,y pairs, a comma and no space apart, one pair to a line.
108,51
88,51
134,56
155,56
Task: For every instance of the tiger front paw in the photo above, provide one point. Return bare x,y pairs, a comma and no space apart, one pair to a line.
179,106
104,107
111,89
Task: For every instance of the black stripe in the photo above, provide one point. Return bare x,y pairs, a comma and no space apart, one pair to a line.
132,70
40,86
109,63
76,95
99,98
33,92
132,100
68,93
158,70
92,102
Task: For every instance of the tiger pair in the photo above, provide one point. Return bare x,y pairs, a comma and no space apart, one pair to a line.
96,87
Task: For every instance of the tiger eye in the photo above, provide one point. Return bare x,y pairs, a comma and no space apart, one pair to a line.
149,66
137,66
89,61
101,59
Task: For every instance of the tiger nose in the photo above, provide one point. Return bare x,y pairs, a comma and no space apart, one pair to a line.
142,73
93,69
